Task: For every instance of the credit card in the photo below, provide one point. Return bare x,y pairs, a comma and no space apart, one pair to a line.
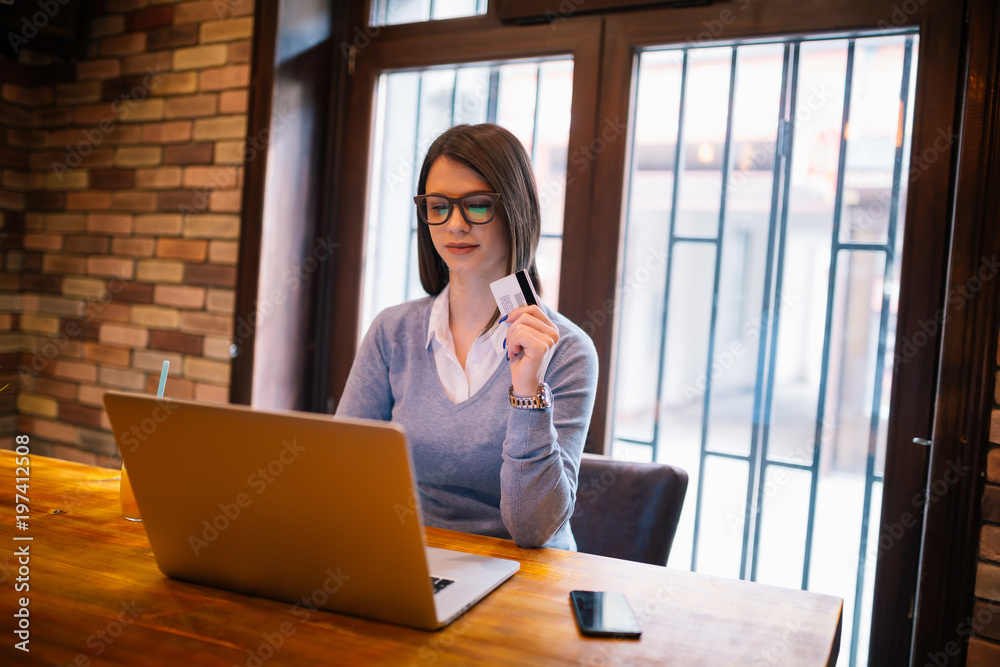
514,291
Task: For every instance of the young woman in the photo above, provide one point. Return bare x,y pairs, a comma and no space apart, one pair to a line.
496,409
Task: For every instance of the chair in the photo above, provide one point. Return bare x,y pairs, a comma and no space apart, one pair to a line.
627,510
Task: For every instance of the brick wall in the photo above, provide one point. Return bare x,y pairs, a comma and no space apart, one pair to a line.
125,178
984,648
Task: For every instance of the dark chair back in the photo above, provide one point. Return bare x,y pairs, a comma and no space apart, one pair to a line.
627,510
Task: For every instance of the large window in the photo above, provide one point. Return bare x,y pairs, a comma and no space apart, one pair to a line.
762,241
725,214
531,99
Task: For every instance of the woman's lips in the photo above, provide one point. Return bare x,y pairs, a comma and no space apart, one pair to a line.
460,248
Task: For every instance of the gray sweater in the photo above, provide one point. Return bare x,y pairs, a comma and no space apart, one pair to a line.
481,466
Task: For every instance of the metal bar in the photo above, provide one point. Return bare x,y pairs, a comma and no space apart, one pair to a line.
661,358
779,275
416,178
491,101
430,11
636,66
634,441
729,455
805,467
714,318
696,239
830,287
755,463
454,95
550,235
883,329
868,247
534,127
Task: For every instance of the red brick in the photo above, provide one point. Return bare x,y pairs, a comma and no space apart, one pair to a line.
111,266
112,179
210,393
142,63
98,69
210,275
206,323
179,296
122,45
33,282
56,431
88,201
185,201
47,201
42,242
991,503
190,250
233,101
176,387
90,245
175,342
151,17
72,370
63,264
191,106
186,154
92,115
239,52
216,176
226,201
102,26
133,247
196,12
134,292
55,388
171,37
130,200
109,223
989,543
222,78
79,414
88,330
986,619
115,356
113,334
166,133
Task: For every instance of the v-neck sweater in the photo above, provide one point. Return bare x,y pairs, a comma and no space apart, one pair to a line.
481,465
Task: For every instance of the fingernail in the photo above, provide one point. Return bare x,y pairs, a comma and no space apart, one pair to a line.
505,343
502,319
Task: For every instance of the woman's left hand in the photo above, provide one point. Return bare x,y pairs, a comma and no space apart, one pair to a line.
529,338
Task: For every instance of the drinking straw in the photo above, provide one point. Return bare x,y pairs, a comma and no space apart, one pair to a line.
163,378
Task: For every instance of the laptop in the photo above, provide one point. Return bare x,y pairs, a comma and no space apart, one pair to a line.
314,510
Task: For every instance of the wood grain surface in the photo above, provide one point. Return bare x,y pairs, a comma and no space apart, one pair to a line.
97,597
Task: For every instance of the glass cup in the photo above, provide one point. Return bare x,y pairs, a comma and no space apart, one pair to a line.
129,508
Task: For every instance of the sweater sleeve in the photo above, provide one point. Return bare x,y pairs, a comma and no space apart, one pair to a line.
368,393
541,453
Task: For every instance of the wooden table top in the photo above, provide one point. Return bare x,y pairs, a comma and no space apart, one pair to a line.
97,597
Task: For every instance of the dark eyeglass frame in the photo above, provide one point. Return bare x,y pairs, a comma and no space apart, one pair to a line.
420,201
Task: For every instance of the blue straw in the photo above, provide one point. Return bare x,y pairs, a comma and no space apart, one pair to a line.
163,378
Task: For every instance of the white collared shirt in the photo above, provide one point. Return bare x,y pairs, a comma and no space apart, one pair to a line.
482,360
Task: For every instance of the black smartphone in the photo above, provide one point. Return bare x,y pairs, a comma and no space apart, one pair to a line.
604,614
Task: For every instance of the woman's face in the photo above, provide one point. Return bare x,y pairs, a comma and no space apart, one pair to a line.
477,251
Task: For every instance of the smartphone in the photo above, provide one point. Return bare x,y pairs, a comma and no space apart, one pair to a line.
604,614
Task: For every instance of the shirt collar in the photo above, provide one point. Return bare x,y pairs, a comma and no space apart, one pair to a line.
439,326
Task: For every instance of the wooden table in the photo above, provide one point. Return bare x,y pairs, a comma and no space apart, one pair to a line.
96,597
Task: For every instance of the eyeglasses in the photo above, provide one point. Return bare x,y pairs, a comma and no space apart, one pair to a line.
477,208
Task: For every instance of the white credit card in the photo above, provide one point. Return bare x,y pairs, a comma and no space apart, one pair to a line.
514,291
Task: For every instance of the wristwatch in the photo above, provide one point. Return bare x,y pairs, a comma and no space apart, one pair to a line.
539,401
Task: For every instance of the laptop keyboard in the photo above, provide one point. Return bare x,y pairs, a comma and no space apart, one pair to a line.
440,584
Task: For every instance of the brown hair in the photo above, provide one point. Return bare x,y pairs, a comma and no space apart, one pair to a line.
496,155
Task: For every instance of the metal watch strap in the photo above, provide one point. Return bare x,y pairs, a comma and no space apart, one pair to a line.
541,400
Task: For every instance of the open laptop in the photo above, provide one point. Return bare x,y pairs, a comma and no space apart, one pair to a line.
308,509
